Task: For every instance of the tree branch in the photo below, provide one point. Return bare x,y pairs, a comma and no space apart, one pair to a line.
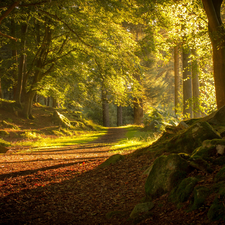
10,37
60,20
9,10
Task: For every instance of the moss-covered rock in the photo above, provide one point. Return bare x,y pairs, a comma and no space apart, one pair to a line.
141,208
217,117
209,148
200,195
200,164
220,176
219,161
185,188
217,209
166,173
112,160
192,138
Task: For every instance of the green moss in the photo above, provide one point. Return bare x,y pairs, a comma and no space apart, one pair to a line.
208,148
200,164
112,160
185,188
166,173
220,176
219,161
200,195
217,209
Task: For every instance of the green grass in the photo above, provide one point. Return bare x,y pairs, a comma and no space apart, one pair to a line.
43,143
136,137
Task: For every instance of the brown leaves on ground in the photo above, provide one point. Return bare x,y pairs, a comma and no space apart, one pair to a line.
65,186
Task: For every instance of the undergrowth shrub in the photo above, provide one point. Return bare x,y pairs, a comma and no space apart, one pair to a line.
157,119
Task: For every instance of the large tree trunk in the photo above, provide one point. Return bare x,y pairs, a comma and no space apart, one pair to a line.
187,87
105,109
176,77
195,85
28,103
217,35
21,64
119,116
138,111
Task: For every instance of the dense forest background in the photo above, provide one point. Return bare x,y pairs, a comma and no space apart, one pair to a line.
116,62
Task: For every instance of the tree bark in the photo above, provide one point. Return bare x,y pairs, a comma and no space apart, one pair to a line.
216,32
14,57
21,64
195,85
28,103
119,116
105,109
176,77
187,87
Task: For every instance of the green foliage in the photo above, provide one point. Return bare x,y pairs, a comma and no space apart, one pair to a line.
137,137
157,119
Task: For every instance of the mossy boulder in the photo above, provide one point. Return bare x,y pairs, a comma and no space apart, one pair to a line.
200,164
217,209
209,148
200,195
219,161
217,117
184,190
141,208
220,176
187,140
112,160
192,138
166,173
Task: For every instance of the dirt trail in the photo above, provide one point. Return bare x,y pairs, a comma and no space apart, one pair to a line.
64,186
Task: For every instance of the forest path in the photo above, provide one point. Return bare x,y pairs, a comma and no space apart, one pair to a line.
65,185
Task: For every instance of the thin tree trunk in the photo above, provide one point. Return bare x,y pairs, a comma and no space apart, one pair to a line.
105,109
14,57
195,85
138,111
176,77
21,64
119,116
187,86
217,35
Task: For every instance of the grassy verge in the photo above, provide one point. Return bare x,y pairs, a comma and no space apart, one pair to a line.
58,142
136,137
